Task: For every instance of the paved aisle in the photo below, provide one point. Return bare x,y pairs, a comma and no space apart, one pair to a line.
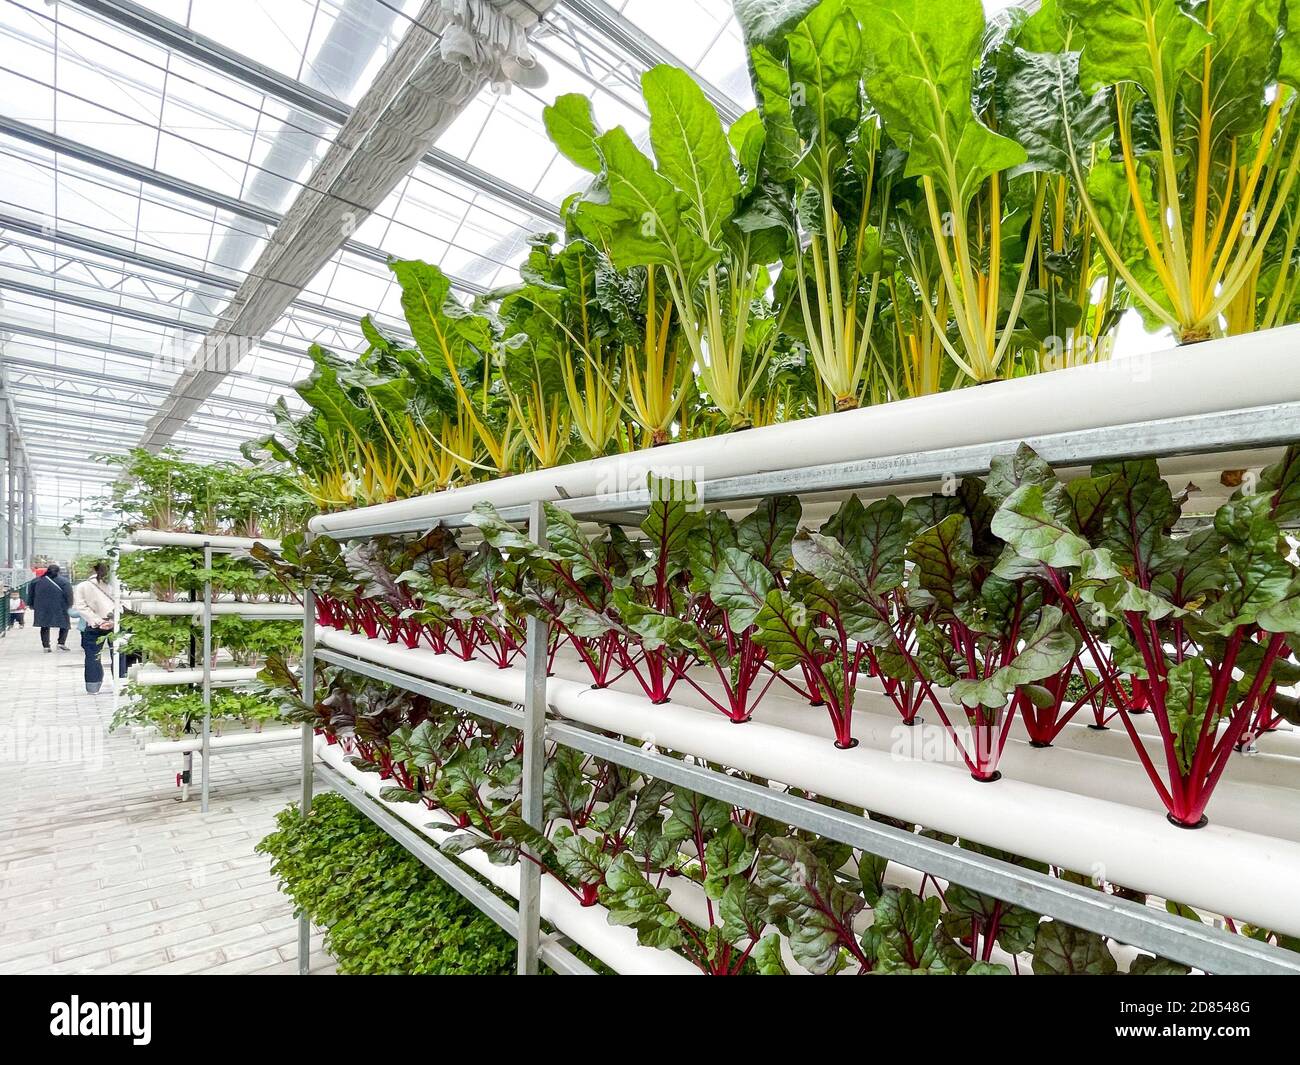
102,869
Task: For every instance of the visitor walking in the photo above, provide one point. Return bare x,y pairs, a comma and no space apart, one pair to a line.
94,606
51,600
17,609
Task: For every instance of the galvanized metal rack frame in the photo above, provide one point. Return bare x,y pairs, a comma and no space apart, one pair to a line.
205,748
1201,946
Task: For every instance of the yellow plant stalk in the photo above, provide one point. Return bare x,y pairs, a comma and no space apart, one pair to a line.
838,343
1242,315
593,403
1083,343
656,393
593,406
1211,271
917,338
543,422
974,295
719,352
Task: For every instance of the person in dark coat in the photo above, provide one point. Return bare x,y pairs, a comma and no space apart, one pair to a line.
51,600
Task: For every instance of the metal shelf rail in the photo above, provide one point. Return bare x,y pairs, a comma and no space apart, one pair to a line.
550,950
1200,946
146,539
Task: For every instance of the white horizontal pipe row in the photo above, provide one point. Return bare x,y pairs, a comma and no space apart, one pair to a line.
232,741
1248,875
587,926
1256,794
151,678
256,611
1235,373
1283,745
159,538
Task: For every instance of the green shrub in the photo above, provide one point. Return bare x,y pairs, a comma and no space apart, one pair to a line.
383,911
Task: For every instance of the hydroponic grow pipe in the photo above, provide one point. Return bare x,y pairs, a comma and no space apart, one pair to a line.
1252,372
1267,808
419,846
1283,742
255,611
223,675
1268,803
1239,433
588,926
1223,869
1080,747
273,738
160,538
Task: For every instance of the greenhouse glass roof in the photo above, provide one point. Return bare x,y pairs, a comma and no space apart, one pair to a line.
150,149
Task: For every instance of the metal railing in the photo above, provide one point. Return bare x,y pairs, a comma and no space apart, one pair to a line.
1198,945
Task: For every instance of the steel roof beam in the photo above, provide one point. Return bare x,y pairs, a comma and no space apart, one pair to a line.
210,53
254,418
631,39
53,142
109,251
414,97
146,317
150,262
128,353
20,368
58,438
56,411
86,303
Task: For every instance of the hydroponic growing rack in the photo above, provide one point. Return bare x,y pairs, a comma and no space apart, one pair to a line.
1193,424
206,676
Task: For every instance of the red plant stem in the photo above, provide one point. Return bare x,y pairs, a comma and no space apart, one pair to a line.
1246,709
1214,709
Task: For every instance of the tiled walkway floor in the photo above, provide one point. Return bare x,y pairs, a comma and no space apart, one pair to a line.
102,868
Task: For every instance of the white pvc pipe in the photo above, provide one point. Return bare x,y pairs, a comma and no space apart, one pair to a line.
232,741
1259,794
587,926
1267,806
1271,766
147,677
159,538
1285,742
1253,370
1228,870
258,611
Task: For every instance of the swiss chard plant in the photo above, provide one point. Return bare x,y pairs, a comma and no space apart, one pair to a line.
1206,621
1193,200
825,176
921,67
685,215
984,630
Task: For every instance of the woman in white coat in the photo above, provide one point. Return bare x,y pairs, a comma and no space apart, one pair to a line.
93,602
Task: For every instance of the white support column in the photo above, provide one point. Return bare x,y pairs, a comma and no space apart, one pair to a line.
11,498
308,746
534,758
206,747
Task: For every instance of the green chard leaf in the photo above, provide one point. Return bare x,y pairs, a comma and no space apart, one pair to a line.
804,896
920,59
691,148
1061,950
